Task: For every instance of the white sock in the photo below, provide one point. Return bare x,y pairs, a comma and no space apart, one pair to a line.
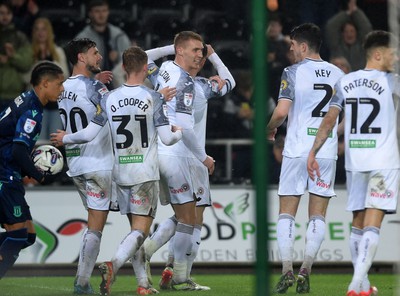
366,253
89,250
127,248
182,249
138,264
354,242
163,233
315,235
170,260
285,237
196,239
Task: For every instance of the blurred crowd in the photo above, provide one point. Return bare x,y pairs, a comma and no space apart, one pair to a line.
35,30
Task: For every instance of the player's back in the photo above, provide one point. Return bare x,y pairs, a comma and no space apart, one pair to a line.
79,104
309,84
371,121
134,112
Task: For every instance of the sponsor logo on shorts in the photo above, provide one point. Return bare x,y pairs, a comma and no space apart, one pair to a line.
17,211
321,183
382,195
139,200
185,187
92,193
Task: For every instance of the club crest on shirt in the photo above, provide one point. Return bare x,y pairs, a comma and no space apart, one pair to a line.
188,99
29,125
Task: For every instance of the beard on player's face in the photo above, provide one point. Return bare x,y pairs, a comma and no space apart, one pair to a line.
93,69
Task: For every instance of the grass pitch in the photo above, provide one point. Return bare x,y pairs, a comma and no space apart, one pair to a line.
221,285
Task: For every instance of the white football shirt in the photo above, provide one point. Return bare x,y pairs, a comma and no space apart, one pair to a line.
79,104
309,85
134,113
367,96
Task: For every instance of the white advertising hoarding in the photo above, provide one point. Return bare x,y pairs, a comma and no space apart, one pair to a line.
228,233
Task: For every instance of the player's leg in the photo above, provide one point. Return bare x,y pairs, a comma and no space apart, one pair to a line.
182,244
14,214
369,244
160,237
291,186
13,240
182,199
91,186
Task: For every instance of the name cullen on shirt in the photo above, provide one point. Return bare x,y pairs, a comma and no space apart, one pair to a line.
67,95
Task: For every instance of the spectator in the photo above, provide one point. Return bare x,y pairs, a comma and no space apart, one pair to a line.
278,48
342,63
44,48
25,12
111,40
15,57
345,33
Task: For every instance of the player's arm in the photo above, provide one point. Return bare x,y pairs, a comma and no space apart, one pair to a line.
85,135
159,52
278,117
324,130
168,136
222,70
190,140
21,156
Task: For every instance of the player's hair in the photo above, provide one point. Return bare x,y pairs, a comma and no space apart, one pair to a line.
185,36
95,3
378,38
308,33
133,59
77,46
45,69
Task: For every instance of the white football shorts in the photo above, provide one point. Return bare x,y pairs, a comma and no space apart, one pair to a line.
95,189
374,189
177,179
140,199
294,179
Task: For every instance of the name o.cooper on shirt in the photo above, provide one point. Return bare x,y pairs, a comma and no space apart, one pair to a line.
130,102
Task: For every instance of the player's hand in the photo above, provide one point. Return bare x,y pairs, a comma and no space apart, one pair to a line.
271,134
175,128
221,82
57,138
210,50
209,162
105,77
312,167
168,93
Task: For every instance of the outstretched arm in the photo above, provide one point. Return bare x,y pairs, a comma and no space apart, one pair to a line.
278,117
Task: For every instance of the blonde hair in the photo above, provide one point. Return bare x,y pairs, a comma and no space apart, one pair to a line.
50,45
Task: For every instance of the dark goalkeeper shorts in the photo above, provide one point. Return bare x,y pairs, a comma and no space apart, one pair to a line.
13,206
